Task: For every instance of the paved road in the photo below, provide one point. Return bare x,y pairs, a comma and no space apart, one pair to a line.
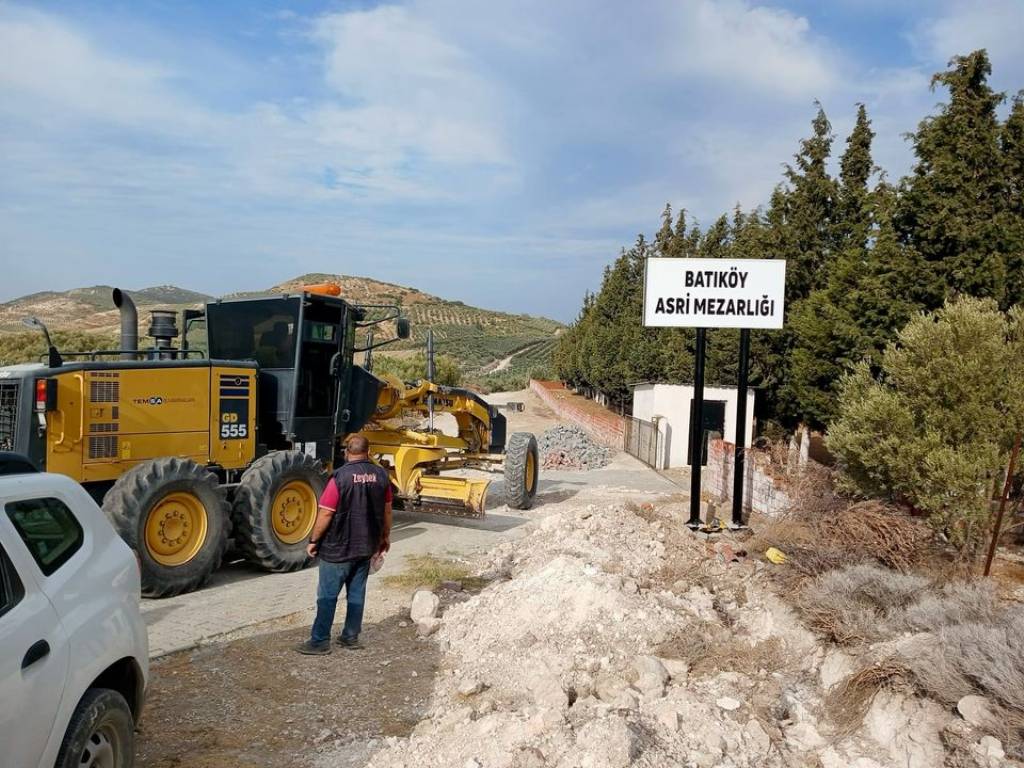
241,600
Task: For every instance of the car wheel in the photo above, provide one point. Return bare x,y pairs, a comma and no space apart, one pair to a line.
101,733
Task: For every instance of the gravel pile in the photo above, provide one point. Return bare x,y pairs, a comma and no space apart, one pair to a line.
609,640
569,447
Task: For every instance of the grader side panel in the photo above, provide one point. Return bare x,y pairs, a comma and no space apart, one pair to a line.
110,418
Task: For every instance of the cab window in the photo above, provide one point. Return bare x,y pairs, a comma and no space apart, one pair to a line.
49,530
261,330
11,588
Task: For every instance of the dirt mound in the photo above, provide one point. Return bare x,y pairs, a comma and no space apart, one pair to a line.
581,653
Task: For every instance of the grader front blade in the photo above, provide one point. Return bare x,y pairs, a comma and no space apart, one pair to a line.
459,496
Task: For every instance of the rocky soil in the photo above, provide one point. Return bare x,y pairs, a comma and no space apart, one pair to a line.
609,637
569,447
256,703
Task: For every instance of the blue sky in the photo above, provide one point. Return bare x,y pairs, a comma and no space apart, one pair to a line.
496,153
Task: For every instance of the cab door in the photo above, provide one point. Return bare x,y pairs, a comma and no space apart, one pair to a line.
33,658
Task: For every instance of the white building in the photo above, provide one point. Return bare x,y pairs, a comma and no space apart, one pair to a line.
670,405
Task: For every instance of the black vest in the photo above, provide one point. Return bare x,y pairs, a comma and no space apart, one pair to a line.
358,522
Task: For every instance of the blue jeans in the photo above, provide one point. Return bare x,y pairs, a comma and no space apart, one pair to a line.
333,576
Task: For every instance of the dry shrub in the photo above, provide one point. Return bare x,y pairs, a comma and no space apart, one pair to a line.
852,604
709,649
693,644
850,701
840,619
957,660
824,535
878,532
957,603
986,659
812,493
990,657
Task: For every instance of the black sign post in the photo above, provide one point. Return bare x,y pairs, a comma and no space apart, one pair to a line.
715,293
697,428
741,431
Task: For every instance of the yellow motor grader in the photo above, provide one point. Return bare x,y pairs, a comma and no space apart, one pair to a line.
190,446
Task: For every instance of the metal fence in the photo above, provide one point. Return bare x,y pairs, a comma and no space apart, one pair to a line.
643,440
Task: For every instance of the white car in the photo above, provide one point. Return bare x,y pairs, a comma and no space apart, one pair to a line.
74,655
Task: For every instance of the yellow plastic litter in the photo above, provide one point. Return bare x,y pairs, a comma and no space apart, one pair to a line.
774,555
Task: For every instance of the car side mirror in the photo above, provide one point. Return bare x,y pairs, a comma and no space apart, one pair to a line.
403,328
335,365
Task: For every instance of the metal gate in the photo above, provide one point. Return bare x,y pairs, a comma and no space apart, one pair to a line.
643,440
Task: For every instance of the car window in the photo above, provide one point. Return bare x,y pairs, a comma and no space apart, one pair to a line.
49,530
11,588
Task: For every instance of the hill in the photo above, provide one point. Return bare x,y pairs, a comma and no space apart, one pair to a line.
477,338
91,309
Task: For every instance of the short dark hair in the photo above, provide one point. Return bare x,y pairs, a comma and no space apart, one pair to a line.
357,444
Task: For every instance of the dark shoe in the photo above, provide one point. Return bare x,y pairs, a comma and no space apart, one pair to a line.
352,645
309,648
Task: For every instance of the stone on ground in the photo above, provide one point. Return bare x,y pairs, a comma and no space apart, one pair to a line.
424,605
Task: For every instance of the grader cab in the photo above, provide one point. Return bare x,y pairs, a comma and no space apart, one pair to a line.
192,446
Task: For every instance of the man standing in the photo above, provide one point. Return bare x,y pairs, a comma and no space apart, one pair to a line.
353,524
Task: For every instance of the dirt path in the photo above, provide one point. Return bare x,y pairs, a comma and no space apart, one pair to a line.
256,703
505,362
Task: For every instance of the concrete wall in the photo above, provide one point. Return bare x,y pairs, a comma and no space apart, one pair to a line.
604,426
763,490
673,403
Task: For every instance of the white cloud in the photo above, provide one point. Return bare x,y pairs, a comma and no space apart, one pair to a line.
962,26
753,46
416,91
57,72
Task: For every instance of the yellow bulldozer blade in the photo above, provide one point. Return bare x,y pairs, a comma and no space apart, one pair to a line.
460,496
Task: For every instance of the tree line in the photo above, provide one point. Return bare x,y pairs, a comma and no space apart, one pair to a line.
864,255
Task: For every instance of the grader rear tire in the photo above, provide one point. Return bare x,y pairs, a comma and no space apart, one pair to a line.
275,508
174,514
522,465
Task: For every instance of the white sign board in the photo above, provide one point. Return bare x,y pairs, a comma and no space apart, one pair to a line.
714,293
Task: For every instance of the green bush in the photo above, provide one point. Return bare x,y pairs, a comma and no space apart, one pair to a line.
447,370
30,347
934,431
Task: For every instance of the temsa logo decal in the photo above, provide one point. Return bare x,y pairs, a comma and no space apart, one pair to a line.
148,400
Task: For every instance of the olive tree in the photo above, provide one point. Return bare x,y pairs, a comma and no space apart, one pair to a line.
935,428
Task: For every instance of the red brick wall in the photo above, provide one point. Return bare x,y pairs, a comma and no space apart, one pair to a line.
761,489
604,426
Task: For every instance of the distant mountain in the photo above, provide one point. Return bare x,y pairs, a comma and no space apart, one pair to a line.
476,337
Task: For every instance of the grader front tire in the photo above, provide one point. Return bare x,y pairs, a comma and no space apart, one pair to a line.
174,514
275,508
522,470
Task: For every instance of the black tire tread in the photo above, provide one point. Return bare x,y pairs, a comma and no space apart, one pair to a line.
122,509
253,539
520,446
85,717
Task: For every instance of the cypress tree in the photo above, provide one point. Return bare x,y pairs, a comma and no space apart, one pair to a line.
715,242
855,169
953,202
1012,141
850,320
686,242
663,241
809,211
